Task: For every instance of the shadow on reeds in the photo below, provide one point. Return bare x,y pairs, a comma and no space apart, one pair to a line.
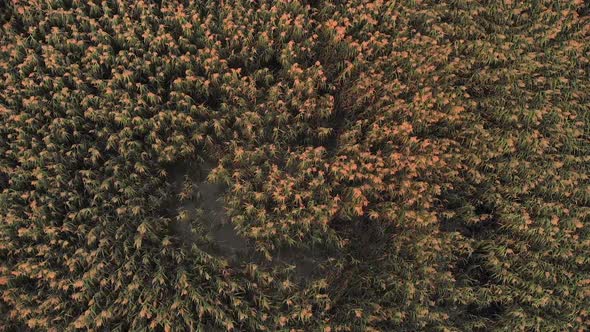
200,217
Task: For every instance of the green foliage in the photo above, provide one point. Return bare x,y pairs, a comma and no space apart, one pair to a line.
374,165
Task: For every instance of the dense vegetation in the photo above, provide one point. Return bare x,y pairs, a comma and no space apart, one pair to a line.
294,165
